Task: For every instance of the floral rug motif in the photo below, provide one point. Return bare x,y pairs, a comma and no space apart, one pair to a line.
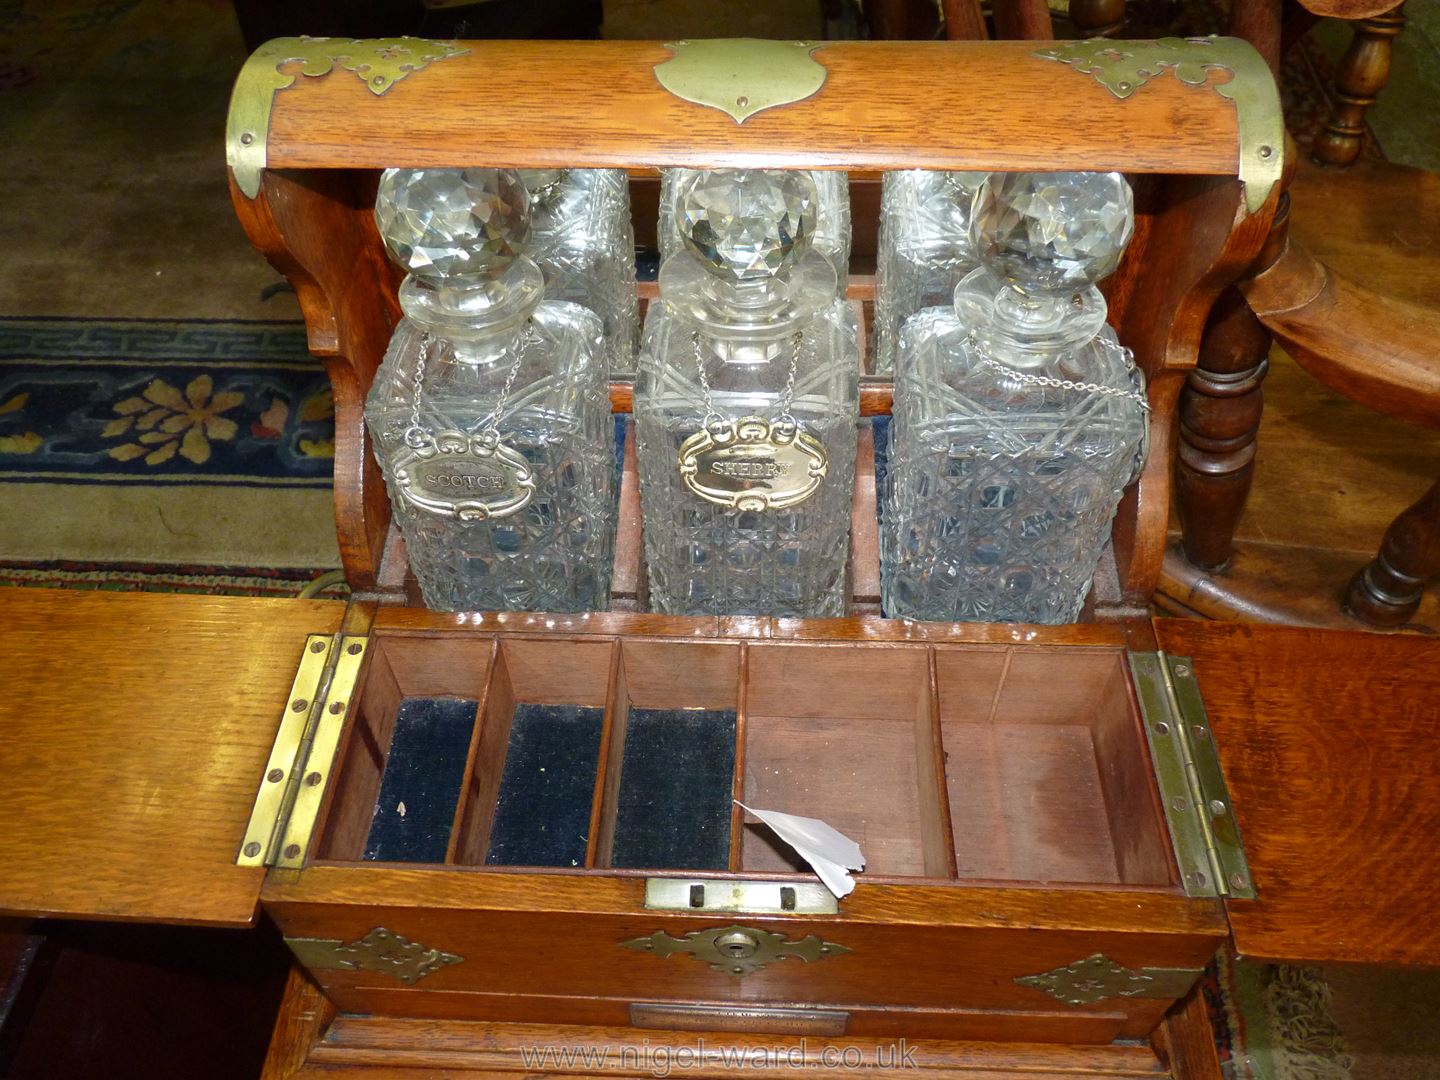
141,401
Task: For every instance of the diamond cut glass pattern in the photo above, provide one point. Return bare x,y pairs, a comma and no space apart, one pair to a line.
745,302
487,354
831,234
748,225
1055,230
924,249
452,223
583,242
1011,445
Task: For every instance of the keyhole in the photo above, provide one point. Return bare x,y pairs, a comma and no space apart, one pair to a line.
737,944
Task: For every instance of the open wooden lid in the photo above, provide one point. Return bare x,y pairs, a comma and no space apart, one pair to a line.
136,727
1328,743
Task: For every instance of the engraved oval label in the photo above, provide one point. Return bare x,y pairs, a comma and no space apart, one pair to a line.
470,483
751,464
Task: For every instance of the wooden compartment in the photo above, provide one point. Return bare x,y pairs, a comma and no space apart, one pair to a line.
399,671
530,797
844,735
1046,768
670,762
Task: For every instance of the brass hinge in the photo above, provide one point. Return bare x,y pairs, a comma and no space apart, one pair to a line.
1198,810
295,776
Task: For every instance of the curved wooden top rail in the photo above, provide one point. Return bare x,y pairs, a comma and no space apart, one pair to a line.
1204,106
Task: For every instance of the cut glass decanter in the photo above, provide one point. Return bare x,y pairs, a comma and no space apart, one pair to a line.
923,251
582,239
746,403
490,413
1019,419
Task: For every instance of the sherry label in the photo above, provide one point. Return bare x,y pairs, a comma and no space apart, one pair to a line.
469,478
752,464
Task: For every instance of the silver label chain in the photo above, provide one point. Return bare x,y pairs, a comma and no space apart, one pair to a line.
1059,384
417,435
713,415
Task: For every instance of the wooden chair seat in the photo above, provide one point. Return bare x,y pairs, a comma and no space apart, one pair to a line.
1354,300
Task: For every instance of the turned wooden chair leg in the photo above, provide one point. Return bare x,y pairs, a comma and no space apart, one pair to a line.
1362,74
1388,590
1097,18
1220,409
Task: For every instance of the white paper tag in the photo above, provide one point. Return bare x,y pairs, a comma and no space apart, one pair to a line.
829,852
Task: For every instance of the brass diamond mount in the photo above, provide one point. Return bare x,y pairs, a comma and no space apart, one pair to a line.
1122,67
379,63
736,950
742,76
1097,977
382,951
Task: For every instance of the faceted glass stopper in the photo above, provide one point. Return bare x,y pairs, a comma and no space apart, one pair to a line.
1052,232
748,225
449,224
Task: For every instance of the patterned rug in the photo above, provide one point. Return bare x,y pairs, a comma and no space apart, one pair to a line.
136,442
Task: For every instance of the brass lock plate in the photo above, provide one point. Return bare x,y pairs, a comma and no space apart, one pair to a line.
737,950
740,897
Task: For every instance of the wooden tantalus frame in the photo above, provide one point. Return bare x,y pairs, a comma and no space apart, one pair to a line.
882,105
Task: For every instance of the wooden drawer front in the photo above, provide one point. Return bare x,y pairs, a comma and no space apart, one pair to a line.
795,1019
891,963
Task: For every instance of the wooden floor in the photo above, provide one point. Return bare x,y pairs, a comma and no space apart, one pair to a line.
1331,475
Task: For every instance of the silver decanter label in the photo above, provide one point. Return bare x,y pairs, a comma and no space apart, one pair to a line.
752,464
472,478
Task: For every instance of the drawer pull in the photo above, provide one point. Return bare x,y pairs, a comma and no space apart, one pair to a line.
760,1019
736,950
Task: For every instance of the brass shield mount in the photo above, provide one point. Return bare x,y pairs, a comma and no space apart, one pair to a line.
379,63
742,76
1123,67
736,950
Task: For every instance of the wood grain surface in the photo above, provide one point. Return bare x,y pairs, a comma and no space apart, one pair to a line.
136,727
311,1042
950,105
1328,744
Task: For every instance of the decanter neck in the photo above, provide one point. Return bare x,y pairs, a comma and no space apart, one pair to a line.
764,308
482,319
1023,327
